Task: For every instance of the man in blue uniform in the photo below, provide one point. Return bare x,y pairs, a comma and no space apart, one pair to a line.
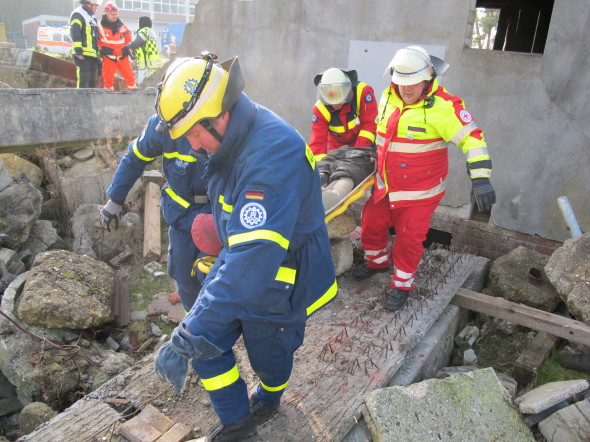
275,268
183,197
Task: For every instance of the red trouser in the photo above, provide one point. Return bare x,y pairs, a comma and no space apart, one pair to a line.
411,227
109,67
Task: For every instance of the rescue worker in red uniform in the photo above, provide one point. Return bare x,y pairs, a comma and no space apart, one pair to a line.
417,118
344,114
114,35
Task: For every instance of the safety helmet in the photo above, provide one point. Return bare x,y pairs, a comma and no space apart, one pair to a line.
197,89
110,7
413,64
334,87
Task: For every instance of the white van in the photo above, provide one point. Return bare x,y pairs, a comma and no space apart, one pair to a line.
55,39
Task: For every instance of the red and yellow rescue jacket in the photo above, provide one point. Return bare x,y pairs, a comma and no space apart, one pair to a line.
113,35
352,125
412,142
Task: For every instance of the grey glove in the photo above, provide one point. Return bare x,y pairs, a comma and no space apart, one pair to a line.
171,363
110,211
484,194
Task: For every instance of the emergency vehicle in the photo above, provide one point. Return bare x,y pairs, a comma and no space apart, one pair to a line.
55,39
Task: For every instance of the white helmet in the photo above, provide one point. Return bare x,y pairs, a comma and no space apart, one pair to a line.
334,87
413,64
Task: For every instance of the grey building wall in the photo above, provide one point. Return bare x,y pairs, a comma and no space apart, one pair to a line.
533,109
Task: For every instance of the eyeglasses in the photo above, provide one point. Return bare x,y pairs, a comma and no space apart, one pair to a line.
165,125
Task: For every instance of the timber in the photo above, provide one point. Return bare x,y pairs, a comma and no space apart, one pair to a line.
520,314
151,229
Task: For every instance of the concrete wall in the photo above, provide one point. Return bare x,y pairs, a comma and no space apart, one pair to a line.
31,118
533,109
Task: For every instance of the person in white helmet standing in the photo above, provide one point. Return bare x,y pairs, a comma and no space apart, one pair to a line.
342,132
417,118
84,34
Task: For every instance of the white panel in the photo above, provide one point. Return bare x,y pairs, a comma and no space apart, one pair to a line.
370,59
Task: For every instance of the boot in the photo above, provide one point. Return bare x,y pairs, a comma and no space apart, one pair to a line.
242,430
365,272
396,300
262,412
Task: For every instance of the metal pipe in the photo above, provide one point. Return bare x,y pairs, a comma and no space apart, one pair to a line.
569,216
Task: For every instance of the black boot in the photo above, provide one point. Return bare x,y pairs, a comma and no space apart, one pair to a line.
396,300
364,272
242,430
262,412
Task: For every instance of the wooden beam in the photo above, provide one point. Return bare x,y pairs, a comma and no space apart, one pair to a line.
151,223
529,317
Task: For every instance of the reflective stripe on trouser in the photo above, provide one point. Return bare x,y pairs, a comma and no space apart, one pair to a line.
411,227
110,67
182,253
270,350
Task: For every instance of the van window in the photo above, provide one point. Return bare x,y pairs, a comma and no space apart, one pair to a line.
56,37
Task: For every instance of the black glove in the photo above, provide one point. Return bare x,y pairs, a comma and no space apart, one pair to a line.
484,194
105,50
126,51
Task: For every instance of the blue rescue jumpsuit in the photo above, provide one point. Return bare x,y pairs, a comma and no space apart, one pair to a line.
183,197
275,268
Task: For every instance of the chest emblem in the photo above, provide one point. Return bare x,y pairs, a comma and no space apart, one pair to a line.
252,215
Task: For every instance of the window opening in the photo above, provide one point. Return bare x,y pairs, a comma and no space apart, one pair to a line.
511,25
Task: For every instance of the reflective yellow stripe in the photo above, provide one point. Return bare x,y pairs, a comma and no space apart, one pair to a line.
324,110
311,159
187,158
405,195
337,129
138,153
480,173
396,146
259,234
324,299
223,380
279,388
319,157
224,206
176,198
368,135
285,274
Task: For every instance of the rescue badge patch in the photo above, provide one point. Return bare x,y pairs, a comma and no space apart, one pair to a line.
190,86
465,116
314,118
369,98
252,215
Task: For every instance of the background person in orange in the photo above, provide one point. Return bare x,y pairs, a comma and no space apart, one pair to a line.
114,35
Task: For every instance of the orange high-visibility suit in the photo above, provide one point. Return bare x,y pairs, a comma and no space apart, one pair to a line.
113,38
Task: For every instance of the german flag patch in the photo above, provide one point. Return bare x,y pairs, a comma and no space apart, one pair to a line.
254,195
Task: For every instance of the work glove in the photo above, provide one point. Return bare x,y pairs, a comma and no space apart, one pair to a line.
171,363
126,51
110,211
105,50
484,193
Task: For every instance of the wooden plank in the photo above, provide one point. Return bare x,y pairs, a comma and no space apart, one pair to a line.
151,223
529,317
533,356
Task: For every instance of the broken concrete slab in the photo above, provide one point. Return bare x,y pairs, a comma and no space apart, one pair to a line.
549,394
466,406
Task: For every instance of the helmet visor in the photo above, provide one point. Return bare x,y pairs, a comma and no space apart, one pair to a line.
332,94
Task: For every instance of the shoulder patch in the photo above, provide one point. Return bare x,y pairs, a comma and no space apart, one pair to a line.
314,118
253,215
369,98
465,116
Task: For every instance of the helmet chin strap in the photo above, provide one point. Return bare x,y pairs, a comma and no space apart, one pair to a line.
209,128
